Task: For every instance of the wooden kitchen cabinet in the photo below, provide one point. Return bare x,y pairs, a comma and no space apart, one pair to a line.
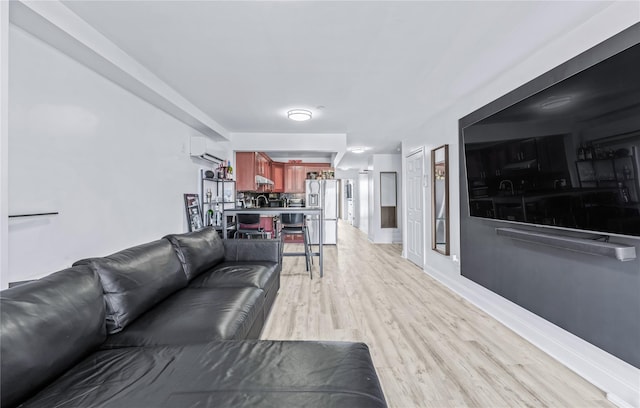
286,177
248,166
293,239
263,165
245,171
295,174
277,175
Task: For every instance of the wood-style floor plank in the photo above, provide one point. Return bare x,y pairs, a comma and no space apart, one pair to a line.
431,348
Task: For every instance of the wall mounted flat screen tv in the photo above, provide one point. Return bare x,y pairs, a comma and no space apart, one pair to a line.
566,156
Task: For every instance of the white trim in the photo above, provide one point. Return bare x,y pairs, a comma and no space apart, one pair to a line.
618,379
619,402
415,151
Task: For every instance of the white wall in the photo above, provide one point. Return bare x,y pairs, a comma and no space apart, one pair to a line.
4,139
361,202
442,126
112,165
384,163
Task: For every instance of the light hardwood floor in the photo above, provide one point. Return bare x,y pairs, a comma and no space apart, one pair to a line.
430,347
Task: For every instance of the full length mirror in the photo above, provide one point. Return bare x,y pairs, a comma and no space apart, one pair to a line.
440,199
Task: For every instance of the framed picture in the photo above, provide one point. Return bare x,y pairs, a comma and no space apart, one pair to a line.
192,208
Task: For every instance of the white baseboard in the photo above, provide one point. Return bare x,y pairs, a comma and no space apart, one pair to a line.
618,379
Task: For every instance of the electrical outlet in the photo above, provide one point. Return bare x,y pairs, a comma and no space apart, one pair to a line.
455,258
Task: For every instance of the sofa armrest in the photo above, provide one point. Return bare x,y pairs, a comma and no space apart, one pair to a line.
252,250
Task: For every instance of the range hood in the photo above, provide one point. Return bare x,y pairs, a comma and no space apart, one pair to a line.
263,180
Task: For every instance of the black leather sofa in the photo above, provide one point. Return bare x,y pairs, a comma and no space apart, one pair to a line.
171,323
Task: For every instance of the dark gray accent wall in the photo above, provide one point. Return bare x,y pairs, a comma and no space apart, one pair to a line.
596,298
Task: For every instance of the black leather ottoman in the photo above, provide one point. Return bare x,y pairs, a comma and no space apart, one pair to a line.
249,373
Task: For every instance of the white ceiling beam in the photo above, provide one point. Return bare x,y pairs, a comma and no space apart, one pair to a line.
332,143
55,24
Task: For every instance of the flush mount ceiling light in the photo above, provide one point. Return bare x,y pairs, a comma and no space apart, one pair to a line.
299,115
358,149
554,102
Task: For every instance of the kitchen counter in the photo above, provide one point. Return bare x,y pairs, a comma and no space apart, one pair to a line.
276,211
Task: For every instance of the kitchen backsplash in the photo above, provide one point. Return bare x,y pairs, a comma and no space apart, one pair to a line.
250,199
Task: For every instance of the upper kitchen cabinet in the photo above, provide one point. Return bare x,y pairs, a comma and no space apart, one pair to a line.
295,175
277,175
253,171
263,165
245,171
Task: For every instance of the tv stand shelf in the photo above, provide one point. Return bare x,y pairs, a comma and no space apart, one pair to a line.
620,252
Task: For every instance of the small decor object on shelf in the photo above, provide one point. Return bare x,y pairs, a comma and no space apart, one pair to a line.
192,208
210,217
217,214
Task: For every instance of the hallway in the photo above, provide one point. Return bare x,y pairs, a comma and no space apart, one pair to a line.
430,347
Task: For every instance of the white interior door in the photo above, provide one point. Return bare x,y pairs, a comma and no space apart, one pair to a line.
415,208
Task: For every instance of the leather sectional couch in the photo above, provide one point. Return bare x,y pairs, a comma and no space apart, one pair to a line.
171,323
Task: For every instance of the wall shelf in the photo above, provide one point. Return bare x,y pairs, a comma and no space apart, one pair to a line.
620,252
33,214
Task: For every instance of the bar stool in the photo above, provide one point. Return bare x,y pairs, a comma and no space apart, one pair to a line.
249,226
295,224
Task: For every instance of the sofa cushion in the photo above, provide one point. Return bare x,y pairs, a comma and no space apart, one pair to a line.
238,274
221,374
136,279
198,250
47,326
195,316
268,250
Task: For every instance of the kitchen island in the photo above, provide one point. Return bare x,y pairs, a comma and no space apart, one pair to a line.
273,211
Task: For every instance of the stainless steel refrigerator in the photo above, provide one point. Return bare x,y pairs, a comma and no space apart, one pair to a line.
323,194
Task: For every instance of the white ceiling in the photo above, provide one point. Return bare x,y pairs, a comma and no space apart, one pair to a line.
373,70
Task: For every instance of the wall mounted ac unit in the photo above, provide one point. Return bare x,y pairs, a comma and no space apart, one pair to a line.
199,149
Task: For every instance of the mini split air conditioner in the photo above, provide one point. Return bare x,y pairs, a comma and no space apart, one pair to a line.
199,149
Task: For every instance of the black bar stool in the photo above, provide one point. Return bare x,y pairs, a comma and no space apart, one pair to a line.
248,225
295,224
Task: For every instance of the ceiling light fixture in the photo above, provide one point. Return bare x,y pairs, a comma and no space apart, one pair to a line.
299,115
358,149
